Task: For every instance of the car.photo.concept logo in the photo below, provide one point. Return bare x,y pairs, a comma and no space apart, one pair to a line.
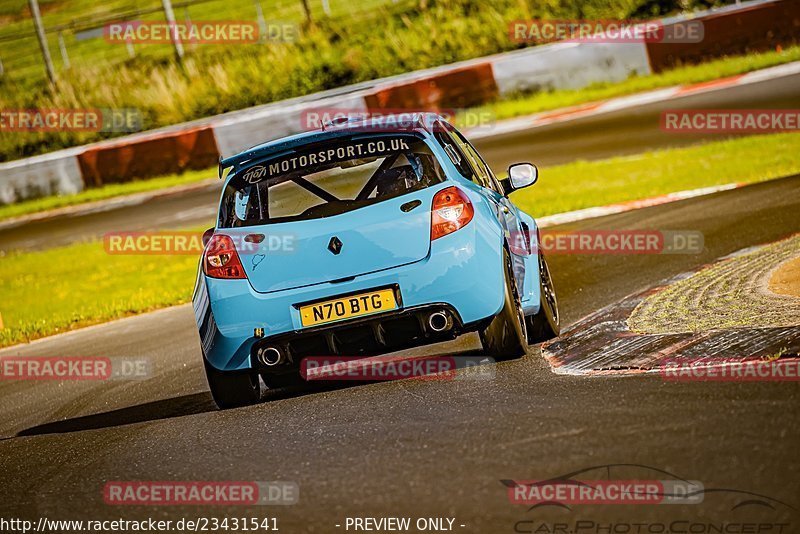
573,498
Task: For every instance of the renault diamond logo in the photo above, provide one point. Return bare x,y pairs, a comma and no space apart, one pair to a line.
335,245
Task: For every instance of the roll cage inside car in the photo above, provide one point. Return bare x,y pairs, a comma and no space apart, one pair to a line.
409,167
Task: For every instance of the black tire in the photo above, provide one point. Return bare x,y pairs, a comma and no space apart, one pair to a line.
546,324
232,389
505,336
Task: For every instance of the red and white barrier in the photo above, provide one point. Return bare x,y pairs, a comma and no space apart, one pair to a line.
568,66
561,65
43,175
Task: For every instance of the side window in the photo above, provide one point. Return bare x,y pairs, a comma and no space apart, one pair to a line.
485,171
445,140
477,164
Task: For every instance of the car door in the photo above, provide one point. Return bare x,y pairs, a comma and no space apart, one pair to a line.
513,220
510,214
472,166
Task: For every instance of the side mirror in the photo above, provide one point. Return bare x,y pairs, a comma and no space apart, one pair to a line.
522,175
207,236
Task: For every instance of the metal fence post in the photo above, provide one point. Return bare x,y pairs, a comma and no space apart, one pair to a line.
176,41
262,24
37,22
63,48
307,11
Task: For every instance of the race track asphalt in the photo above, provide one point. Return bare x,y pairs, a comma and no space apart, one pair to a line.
424,448
623,132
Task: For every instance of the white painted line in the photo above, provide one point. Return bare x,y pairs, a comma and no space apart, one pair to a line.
787,69
640,99
12,350
535,120
108,204
601,211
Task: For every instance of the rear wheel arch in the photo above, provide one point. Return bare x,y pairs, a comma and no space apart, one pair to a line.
232,389
505,336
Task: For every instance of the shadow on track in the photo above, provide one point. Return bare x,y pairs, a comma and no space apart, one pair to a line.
194,404
151,411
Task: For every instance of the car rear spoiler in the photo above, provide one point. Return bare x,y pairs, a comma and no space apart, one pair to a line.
421,121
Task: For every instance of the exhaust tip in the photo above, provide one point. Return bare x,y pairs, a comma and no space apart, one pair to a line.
440,321
270,356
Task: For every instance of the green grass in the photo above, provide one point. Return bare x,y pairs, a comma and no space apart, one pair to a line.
21,49
712,70
43,293
586,184
101,193
689,74
362,40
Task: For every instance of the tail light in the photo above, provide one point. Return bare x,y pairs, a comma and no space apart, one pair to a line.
220,259
451,210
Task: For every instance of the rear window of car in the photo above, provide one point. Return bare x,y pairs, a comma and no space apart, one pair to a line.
327,179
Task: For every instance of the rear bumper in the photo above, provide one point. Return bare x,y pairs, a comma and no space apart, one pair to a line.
376,334
463,273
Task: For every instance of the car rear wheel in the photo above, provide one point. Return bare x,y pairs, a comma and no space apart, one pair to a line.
546,324
232,389
504,338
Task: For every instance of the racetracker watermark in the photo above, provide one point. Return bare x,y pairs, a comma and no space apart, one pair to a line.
200,493
392,119
148,524
171,243
570,491
730,120
605,31
730,370
619,242
71,120
384,368
73,368
199,32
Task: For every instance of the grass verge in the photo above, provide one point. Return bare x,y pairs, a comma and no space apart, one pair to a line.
365,41
52,291
60,289
102,193
584,184
505,109
362,41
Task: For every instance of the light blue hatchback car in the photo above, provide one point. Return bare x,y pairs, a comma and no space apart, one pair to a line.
361,240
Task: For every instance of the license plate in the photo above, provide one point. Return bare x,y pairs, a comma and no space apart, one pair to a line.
347,307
